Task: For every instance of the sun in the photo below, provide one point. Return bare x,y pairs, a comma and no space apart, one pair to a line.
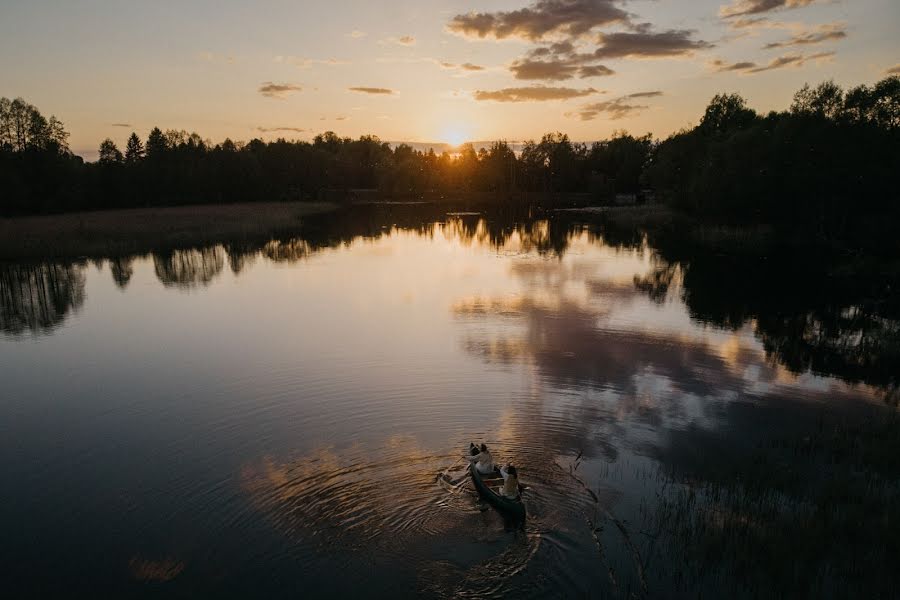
456,134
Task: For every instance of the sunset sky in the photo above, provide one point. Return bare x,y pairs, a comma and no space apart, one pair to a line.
426,70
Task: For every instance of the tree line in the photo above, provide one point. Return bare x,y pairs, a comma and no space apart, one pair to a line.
830,160
829,165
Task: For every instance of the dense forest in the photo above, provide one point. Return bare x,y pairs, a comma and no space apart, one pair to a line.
830,162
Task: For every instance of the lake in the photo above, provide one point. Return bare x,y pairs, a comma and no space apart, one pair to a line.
270,418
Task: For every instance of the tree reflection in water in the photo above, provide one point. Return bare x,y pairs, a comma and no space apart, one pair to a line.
806,319
37,298
189,268
122,269
240,256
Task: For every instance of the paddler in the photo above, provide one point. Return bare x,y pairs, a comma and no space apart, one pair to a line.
482,458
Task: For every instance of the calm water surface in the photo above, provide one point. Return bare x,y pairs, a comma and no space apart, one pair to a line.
270,420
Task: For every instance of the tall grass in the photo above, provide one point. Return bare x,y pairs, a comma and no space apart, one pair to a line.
811,515
137,231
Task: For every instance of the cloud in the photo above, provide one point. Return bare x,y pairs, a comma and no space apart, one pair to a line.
468,67
823,33
556,69
721,65
356,34
278,90
562,60
537,93
121,124
643,43
615,109
406,40
653,94
276,129
748,23
895,70
755,7
788,60
305,63
372,90
541,19
594,71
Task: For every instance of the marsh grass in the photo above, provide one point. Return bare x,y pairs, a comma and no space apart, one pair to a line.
142,230
814,516
809,515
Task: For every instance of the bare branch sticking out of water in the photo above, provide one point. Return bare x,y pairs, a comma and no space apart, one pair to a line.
635,553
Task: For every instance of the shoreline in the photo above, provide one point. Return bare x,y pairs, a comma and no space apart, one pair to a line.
142,230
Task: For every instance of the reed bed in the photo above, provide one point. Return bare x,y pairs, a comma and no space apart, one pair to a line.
141,230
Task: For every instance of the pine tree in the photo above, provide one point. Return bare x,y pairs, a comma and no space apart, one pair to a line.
156,144
134,149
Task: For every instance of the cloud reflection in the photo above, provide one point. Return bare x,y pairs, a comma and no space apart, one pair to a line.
575,326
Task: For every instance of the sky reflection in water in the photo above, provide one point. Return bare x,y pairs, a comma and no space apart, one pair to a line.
239,419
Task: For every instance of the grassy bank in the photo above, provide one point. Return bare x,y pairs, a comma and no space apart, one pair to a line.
136,231
803,516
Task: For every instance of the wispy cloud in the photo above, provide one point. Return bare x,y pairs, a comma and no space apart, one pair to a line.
748,22
537,93
278,90
895,70
406,40
306,63
467,67
121,124
372,90
357,34
754,7
822,33
788,60
615,109
721,65
277,129
541,19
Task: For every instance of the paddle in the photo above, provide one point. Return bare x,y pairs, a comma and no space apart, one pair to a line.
447,479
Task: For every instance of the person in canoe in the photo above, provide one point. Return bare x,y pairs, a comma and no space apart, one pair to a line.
482,458
510,487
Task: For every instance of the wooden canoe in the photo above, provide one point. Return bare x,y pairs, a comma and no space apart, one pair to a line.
512,507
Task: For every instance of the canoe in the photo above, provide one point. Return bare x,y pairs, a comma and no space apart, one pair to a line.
512,507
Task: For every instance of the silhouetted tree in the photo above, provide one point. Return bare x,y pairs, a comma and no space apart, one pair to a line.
134,149
826,100
156,144
109,152
827,167
725,113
